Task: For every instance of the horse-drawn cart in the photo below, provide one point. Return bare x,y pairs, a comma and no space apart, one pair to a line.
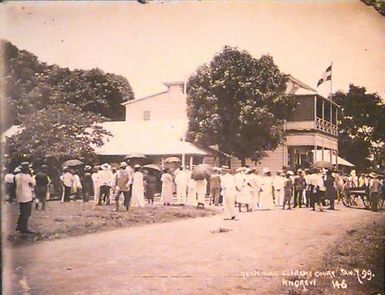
351,195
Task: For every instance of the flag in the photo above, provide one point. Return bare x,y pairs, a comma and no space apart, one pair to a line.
326,76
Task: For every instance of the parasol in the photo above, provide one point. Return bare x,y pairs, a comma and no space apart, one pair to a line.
151,166
72,163
172,160
202,171
323,164
135,156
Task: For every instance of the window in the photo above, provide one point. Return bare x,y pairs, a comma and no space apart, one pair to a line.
146,115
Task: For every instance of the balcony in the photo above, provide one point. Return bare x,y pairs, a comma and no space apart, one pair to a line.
326,126
318,124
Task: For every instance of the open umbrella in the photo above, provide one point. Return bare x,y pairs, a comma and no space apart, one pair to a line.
172,160
151,166
323,164
72,163
135,156
202,171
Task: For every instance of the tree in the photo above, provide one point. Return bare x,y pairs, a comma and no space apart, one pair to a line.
30,85
238,103
361,125
57,132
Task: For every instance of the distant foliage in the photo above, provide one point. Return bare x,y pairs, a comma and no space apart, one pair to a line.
379,5
30,85
57,132
361,127
238,103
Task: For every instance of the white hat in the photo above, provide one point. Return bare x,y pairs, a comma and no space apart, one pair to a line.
105,166
224,167
290,172
266,170
17,170
123,164
137,166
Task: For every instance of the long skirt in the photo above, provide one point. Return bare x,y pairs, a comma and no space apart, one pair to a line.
266,200
201,191
228,203
166,194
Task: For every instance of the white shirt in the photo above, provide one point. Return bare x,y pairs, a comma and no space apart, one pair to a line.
77,182
24,183
67,179
227,182
9,178
106,177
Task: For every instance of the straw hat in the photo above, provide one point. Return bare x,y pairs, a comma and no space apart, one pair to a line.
373,175
266,170
105,166
290,173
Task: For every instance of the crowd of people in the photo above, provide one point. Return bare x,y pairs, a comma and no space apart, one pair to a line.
233,189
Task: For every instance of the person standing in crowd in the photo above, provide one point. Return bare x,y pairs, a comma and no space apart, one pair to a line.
228,191
279,184
288,190
353,179
87,183
306,175
374,191
299,186
122,186
191,192
244,188
41,189
319,189
266,195
24,187
149,187
96,183
201,188
215,187
137,198
106,178
330,188
10,184
181,182
68,181
77,188
339,184
255,183
167,187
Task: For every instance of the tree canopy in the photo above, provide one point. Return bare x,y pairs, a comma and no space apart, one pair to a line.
30,85
57,132
238,102
361,126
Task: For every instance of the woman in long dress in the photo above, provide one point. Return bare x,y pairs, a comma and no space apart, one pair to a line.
243,196
201,188
228,191
167,187
137,198
266,195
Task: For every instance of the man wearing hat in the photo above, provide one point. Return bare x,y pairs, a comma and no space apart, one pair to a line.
24,186
299,186
374,191
42,181
106,180
122,186
68,181
87,183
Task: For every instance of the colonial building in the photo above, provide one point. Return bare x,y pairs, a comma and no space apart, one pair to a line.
160,120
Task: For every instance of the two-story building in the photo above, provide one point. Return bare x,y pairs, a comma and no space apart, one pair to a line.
156,125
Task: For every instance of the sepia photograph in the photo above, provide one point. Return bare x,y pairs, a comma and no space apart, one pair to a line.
192,147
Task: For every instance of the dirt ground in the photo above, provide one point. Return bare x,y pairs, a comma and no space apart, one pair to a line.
62,220
253,255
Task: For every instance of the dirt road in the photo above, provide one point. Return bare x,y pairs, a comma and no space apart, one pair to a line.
183,257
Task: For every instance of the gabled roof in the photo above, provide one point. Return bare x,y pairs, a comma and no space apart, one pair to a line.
143,98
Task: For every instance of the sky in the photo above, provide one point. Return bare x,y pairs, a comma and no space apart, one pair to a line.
167,41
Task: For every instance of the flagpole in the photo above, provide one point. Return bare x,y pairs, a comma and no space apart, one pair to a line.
331,81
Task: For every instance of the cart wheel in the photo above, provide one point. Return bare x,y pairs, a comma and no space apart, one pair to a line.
346,199
380,203
366,201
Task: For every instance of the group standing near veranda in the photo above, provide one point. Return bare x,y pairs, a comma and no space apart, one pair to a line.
240,188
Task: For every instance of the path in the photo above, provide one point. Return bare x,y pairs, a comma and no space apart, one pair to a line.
182,257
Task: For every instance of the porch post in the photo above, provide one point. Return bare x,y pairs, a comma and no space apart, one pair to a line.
315,154
191,161
323,149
